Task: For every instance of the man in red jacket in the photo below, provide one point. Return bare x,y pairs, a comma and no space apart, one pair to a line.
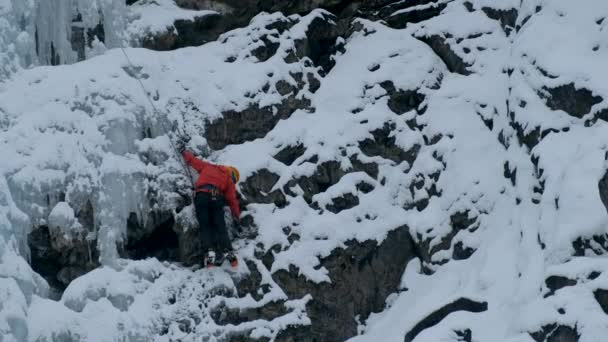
214,188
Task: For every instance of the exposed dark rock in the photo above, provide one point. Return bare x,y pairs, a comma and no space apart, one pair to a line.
365,187
401,20
370,168
58,260
384,145
462,252
453,62
597,244
555,333
555,283
402,101
507,18
532,137
296,334
257,188
327,174
83,37
465,335
161,42
289,154
264,52
320,42
251,123
601,296
344,202
603,189
510,174
575,102
362,276
251,283
138,228
458,221
161,242
413,11
461,304
189,241
244,10
185,33
223,315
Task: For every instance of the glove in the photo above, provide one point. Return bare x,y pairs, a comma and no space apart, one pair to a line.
181,142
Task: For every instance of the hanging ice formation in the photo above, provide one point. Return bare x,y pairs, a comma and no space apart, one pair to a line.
51,32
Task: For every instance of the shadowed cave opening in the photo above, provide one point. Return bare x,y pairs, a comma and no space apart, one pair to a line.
161,243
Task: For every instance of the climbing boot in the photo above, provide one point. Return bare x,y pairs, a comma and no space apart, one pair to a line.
234,261
209,260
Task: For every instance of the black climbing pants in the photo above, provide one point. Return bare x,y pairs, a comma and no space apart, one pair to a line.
210,215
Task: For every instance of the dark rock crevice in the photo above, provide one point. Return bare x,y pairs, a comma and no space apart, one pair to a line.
603,190
441,47
461,304
161,243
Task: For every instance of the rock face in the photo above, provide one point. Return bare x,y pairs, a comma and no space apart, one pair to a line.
60,263
362,276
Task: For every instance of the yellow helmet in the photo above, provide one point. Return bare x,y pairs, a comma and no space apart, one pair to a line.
234,173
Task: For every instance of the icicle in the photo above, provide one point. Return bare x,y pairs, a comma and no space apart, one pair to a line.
54,32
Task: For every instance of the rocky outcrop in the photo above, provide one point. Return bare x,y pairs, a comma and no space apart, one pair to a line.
289,154
507,18
397,14
575,101
597,244
362,276
201,30
232,14
601,296
383,145
555,283
459,221
402,101
250,124
443,49
258,188
60,260
556,333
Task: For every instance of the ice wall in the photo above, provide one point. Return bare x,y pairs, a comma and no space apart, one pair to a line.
42,32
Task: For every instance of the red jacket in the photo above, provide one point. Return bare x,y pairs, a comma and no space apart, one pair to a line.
217,176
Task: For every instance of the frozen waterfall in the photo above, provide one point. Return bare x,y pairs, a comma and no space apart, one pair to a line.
51,32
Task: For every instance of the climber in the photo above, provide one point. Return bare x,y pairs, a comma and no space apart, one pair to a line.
214,188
